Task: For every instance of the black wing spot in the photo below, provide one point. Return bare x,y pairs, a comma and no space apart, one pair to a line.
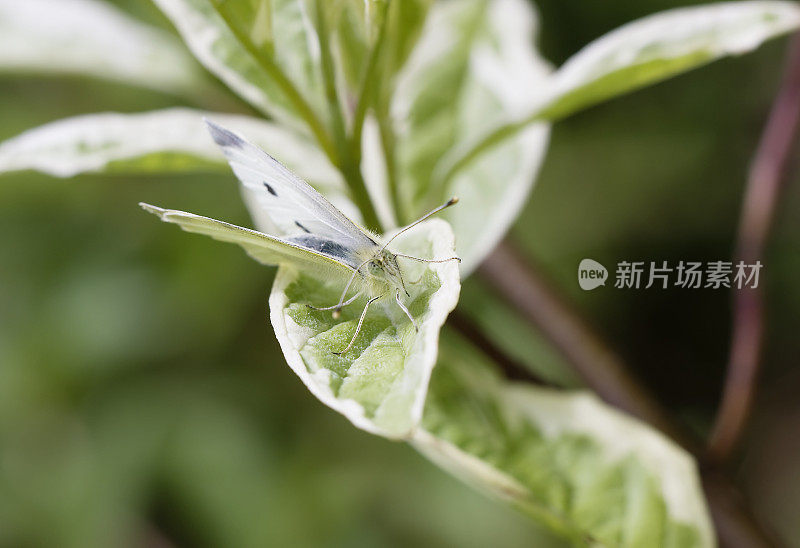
301,227
270,189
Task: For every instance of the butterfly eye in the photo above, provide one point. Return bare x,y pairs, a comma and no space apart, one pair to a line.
374,267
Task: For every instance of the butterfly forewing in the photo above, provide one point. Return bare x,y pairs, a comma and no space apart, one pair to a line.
301,215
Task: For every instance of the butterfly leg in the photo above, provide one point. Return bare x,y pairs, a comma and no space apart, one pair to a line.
337,305
360,323
337,308
404,309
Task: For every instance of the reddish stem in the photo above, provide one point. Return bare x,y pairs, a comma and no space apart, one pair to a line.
758,210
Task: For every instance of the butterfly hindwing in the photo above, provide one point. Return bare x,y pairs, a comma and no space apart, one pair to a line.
264,248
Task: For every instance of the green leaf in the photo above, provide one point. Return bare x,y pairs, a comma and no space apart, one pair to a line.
662,45
474,65
356,26
349,40
572,463
166,141
93,38
637,54
172,140
381,382
406,20
266,51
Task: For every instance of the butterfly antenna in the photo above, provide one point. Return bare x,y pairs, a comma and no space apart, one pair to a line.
418,259
434,211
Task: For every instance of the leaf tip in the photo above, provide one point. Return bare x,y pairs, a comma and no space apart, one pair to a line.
152,209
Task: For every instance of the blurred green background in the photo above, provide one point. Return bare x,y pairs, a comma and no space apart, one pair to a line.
144,400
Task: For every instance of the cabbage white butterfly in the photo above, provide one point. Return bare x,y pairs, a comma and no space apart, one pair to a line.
309,231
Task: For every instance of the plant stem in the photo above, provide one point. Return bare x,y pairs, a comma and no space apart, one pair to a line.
388,145
374,92
349,159
351,173
360,195
758,210
329,82
369,85
734,522
523,287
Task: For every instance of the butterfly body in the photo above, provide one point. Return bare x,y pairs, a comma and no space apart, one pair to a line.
376,269
300,228
384,269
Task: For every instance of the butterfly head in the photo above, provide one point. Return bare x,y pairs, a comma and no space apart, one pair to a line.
383,266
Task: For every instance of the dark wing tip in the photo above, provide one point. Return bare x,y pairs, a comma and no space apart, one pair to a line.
223,137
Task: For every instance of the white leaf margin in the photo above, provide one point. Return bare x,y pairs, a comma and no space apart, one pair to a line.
94,38
717,30
517,75
105,138
426,344
714,30
111,136
496,222
556,412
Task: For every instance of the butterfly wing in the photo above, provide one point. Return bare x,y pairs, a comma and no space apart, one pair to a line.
264,248
299,213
